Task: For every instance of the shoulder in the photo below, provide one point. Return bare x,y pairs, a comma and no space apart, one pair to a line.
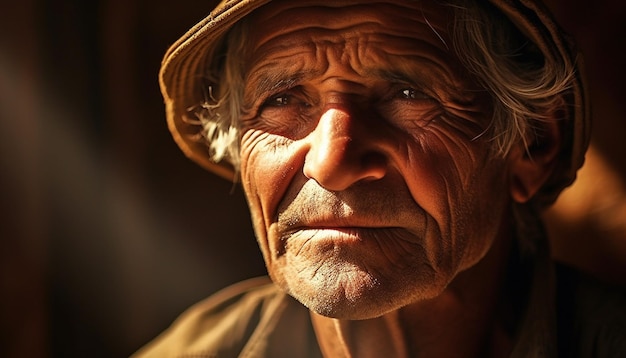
591,315
223,324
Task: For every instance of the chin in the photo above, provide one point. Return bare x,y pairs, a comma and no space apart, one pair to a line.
354,294
344,310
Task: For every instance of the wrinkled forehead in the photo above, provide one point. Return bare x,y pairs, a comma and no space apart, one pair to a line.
402,18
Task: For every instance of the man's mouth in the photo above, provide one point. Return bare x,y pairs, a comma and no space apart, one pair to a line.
344,234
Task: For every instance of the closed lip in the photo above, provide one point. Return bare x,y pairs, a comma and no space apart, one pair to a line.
352,221
350,230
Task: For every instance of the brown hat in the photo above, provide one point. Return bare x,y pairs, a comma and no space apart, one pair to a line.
185,62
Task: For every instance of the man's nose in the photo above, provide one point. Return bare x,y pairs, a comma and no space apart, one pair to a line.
343,151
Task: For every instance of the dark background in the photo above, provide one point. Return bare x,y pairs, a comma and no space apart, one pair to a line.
108,232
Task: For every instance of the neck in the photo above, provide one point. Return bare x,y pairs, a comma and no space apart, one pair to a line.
461,322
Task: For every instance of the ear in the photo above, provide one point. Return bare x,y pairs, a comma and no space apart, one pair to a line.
531,167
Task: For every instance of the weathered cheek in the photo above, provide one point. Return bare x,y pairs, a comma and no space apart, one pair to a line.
251,170
472,180
267,166
252,155
249,155
444,175
460,157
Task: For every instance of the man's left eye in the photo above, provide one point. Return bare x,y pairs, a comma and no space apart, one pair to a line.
412,93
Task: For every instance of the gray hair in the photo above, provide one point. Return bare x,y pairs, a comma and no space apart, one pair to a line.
219,113
524,90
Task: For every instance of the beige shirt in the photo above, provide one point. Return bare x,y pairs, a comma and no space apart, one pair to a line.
255,319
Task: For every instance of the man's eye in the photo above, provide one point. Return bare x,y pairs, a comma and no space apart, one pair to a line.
412,93
287,99
279,100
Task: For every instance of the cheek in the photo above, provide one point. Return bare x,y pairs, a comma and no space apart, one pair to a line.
267,167
483,210
258,172
437,173
462,188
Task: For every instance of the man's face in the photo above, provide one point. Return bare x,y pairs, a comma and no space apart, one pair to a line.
369,182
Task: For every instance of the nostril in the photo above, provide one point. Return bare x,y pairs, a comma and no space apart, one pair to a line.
374,164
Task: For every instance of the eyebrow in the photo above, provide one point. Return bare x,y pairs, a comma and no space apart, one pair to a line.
394,76
277,80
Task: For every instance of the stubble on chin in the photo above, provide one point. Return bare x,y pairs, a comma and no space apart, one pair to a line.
338,282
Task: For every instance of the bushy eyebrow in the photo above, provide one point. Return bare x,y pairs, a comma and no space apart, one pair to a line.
276,80
395,76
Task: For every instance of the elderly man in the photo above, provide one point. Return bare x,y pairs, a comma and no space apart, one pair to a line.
395,155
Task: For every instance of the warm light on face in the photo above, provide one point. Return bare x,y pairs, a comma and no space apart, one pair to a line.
367,187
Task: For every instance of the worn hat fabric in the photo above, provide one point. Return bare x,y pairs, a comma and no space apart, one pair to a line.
185,65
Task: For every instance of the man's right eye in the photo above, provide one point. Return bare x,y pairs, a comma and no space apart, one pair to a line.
287,113
278,100
294,97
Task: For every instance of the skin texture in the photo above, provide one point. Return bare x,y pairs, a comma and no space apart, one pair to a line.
373,195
